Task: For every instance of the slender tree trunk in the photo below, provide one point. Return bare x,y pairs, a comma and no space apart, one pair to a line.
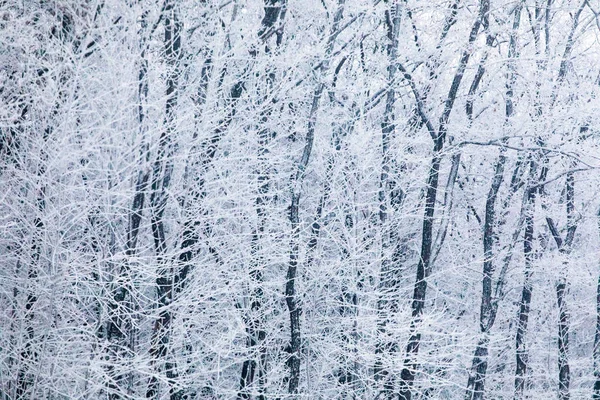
387,303
197,193
291,295
290,287
120,327
563,326
596,393
564,247
408,373
564,375
487,316
349,309
29,355
456,158
525,302
489,308
255,331
162,170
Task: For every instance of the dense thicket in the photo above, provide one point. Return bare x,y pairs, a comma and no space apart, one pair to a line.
270,199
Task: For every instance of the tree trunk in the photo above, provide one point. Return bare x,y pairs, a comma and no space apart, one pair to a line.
564,247
386,305
255,331
596,394
525,302
162,170
564,376
487,315
489,308
291,295
29,355
120,329
408,373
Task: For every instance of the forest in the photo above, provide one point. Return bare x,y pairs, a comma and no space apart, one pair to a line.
299,199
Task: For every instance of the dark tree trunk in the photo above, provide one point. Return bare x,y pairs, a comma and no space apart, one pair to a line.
291,295
522,356
489,307
162,170
487,315
563,325
596,394
29,355
564,376
564,247
409,369
525,302
253,369
120,329
387,304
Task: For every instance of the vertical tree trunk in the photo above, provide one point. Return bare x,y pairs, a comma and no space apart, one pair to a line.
255,331
489,308
291,295
564,375
487,316
522,357
564,247
596,393
29,356
408,373
525,302
120,327
161,176
348,376
563,324
386,305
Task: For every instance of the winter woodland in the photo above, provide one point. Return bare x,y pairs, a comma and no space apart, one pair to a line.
299,199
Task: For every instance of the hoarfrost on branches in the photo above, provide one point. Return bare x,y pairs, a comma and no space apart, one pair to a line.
319,199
